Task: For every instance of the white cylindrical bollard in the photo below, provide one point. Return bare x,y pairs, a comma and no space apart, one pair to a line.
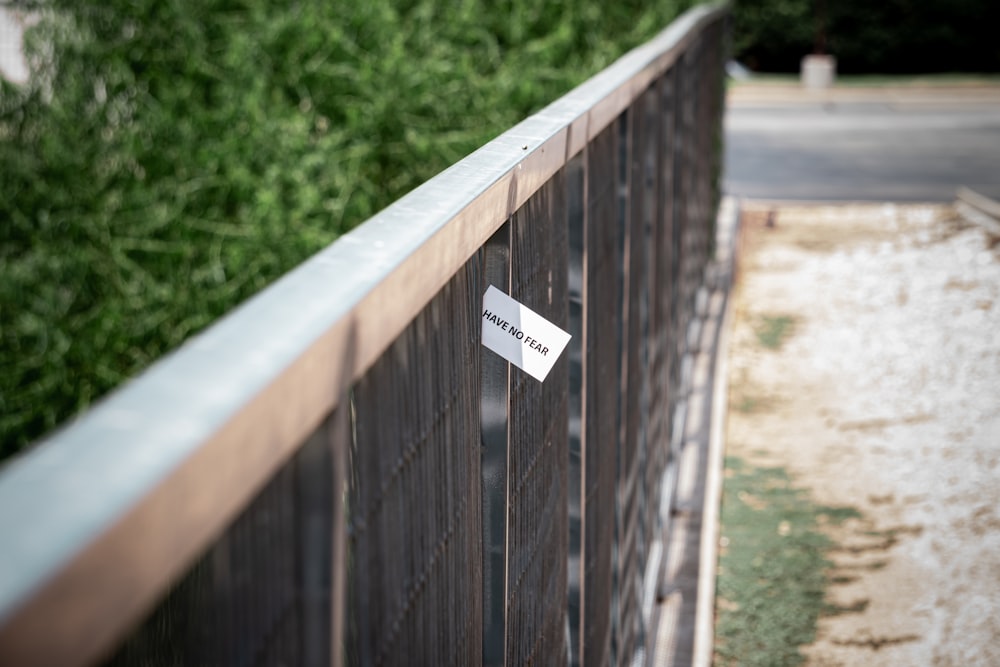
818,71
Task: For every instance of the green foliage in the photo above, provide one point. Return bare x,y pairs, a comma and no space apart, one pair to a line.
772,330
169,159
772,570
772,35
894,36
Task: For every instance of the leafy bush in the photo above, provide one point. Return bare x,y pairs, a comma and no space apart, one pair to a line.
169,159
894,36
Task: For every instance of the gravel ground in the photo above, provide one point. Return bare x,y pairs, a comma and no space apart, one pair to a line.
885,398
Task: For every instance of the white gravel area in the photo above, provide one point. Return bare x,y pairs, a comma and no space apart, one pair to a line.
885,398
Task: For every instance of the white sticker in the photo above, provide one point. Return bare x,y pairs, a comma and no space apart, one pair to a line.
520,335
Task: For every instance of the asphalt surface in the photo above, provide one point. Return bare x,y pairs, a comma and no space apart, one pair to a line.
912,143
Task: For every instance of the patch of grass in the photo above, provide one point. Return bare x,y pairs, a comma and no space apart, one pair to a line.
772,330
856,607
922,80
750,403
837,514
773,569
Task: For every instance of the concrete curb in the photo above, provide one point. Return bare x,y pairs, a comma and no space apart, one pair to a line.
979,210
704,632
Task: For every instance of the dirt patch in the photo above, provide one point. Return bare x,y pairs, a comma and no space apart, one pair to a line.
864,360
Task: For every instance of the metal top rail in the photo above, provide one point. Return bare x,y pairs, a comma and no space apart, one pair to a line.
148,477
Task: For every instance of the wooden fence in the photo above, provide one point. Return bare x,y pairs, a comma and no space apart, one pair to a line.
339,473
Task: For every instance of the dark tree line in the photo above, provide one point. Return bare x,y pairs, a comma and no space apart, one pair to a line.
888,37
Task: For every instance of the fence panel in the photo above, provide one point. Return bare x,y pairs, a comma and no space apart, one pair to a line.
263,593
600,372
415,491
538,456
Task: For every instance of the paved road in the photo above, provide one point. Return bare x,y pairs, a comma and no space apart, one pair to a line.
902,143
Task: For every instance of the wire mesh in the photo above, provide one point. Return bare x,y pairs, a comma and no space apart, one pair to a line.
601,362
537,536
415,560
261,594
